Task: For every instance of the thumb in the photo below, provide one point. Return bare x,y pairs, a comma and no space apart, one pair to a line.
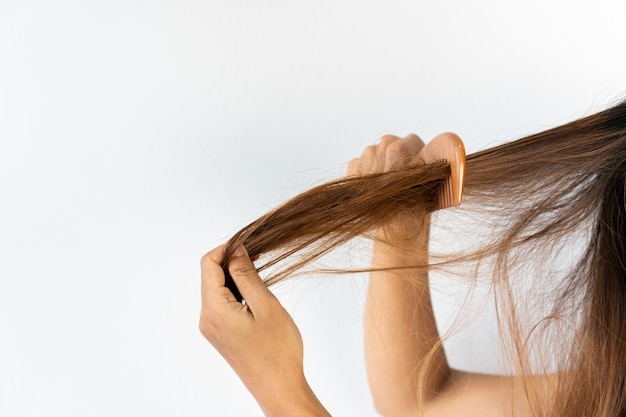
247,280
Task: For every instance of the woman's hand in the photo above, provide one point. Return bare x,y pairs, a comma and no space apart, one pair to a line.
258,339
391,153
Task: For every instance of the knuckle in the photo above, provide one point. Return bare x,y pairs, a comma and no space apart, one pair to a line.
413,136
398,149
416,143
243,270
397,154
369,152
353,166
222,293
387,140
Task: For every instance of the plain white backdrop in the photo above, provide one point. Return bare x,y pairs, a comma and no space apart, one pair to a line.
137,135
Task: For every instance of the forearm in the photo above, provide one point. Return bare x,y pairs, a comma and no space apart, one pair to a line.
400,329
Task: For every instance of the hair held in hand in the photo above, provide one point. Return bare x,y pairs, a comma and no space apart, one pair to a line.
537,192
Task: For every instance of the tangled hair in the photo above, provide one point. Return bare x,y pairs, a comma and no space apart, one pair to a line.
568,182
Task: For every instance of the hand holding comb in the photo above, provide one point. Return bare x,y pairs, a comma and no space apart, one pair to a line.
448,148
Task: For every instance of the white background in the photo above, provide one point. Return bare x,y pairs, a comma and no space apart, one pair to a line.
137,135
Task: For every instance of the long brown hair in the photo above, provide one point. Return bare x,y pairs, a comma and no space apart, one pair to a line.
568,182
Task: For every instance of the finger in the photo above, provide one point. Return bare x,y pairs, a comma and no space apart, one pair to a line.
211,269
387,140
400,153
414,142
248,281
354,167
368,160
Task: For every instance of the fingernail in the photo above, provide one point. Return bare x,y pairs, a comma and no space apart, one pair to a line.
239,252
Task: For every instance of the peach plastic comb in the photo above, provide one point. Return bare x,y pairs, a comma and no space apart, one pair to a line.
449,148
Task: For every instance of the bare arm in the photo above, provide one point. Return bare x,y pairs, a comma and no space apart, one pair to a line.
400,330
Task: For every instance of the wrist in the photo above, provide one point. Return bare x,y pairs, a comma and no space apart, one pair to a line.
295,399
407,230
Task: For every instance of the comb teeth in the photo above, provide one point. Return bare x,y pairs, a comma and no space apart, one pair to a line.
445,197
447,148
444,194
